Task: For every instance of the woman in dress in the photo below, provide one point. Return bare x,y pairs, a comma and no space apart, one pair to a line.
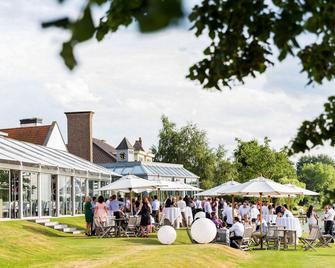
145,211
101,210
88,215
312,217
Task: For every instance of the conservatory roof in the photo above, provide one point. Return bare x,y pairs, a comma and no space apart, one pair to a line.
150,169
44,158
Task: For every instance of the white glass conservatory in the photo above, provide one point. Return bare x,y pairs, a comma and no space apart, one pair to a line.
37,181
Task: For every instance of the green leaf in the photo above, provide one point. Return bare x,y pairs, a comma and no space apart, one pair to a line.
67,55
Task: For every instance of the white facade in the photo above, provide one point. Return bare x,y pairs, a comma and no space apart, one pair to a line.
55,139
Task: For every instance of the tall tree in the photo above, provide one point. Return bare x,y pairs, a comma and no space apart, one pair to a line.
313,159
189,146
253,160
244,38
318,177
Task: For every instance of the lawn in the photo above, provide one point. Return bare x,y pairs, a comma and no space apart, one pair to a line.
26,244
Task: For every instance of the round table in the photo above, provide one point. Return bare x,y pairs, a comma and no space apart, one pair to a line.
291,224
173,215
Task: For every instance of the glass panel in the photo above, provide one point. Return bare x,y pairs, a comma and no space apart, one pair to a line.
4,194
14,193
65,195
80,191
29,194
53,195
46,198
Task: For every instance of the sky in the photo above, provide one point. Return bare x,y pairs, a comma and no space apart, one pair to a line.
130,80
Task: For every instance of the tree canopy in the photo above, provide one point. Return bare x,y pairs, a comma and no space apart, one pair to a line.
318,177
253,160
245,38
313,159
189,146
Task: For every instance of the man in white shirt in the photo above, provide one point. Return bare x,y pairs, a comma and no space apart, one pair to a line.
155,209
254,212
228,215
208,208
182,205
238,230
329,219
244,209
114,207
197,205
286,212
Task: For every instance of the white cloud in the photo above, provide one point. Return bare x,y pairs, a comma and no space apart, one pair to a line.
130,80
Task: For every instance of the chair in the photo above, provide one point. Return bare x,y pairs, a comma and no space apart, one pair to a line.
131,228
324,239
311,240
105,230
272,237
245,242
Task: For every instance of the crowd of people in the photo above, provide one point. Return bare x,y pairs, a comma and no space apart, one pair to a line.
223,214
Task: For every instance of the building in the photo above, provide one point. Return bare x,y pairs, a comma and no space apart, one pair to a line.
39,181
32,130
154,171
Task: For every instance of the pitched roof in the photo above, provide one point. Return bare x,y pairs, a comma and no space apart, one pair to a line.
124,145
104,148
138,146
37,134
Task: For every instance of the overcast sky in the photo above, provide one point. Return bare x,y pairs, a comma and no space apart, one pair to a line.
130,80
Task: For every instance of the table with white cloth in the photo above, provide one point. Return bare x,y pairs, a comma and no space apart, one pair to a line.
291,224
270,218
188,216
173,215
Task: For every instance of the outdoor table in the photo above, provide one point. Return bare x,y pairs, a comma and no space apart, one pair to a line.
188,216
270,218
290,224
286,233
173,215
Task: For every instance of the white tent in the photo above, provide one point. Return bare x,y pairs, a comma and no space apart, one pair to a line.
218,190
176,186
129,183
261,187
303,190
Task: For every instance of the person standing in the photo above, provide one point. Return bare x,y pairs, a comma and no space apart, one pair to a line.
101,210
329,219
208,208
145,211
286,212
88,215
227,215
197,205
312,217
155,209
182,205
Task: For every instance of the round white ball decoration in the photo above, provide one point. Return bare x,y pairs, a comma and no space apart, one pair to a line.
203,231
199,215
166,235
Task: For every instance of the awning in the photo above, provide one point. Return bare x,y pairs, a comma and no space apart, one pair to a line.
32,157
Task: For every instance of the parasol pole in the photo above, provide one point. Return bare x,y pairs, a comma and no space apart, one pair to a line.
289,202
232,206
131,203
261,219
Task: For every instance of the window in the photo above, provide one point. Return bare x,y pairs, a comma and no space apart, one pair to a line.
46,195
29,194
80,192
65,195
4,194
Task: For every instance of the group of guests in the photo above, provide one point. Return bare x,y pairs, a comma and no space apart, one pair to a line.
328,218
101,209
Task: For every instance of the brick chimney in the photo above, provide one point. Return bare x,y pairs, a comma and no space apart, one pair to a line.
79,134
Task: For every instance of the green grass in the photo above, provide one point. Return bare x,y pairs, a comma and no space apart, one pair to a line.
26,244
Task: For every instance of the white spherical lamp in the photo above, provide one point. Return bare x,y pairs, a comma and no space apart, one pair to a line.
199,215
167,235
203,231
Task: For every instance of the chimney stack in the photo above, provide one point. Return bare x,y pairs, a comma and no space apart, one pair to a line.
79,134
140,140
31,122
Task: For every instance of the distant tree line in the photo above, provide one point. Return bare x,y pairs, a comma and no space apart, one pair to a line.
188,145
